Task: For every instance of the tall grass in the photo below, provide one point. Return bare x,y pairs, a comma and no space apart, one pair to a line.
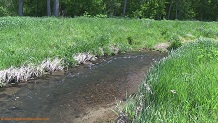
25,40
184,87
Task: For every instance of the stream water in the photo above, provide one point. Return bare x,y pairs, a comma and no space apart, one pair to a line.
82,94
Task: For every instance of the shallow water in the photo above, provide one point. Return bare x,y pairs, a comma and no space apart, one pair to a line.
69,96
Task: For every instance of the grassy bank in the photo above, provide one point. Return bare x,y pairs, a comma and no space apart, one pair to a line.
181,88
30,40
34,46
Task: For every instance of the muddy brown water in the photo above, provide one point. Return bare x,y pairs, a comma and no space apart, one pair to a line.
84,94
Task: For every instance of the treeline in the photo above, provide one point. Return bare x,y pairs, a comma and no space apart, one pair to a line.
156,9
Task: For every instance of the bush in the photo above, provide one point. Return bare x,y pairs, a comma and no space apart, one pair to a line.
3,12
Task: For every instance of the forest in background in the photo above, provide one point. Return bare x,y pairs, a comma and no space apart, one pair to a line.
203,10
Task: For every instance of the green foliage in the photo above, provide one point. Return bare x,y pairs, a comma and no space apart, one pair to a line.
183,86
101,16
130,40
31,40
154,9
175,43
7,7
208,55
186,10
3,11
35,7
206,9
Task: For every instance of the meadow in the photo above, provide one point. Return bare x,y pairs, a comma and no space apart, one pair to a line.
180,88
25,40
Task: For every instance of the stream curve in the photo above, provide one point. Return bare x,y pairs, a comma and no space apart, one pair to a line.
85,94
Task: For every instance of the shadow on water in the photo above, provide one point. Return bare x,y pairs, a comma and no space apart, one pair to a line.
69,96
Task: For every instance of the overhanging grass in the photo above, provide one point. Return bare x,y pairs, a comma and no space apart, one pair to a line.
184,87
25,40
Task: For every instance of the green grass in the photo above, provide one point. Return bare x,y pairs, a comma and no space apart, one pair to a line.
184,87
25,40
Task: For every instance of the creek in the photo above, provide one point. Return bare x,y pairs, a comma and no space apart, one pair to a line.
85,93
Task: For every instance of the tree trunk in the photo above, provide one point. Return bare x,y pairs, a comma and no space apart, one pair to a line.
56,8
20,11
36,11
168,16
177,7
124,8
48,7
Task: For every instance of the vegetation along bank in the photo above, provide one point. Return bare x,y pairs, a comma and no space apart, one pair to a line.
180,88
35,46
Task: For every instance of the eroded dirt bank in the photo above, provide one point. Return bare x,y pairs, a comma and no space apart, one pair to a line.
84,94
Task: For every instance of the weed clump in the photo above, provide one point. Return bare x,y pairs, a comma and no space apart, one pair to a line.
175,43
130,40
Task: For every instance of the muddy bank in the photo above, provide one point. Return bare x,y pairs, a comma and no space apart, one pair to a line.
85,94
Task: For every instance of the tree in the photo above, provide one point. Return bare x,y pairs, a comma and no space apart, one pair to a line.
186,10
177,7
36,8
124,7
154,9
56,8
20,11
160,9
113,7
48,8
168,16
